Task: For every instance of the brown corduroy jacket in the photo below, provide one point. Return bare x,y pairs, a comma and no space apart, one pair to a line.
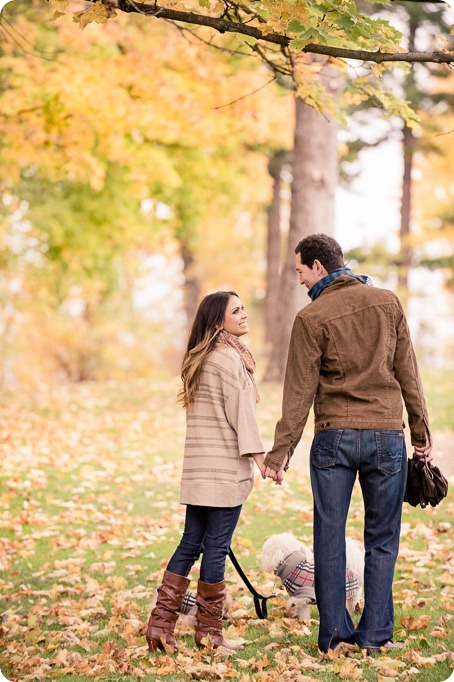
351,355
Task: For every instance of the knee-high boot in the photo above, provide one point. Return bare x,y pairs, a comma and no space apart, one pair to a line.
161,624
210,599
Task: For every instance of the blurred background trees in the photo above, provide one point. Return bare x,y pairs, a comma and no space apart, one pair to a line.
123,156
141,168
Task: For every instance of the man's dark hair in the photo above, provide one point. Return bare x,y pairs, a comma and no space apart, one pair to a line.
323,248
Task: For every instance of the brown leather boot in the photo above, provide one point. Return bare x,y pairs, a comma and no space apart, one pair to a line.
161,624
210,599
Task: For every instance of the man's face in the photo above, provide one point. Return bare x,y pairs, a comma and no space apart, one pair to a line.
309,276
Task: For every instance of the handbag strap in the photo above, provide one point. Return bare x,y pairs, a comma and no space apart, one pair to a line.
259,600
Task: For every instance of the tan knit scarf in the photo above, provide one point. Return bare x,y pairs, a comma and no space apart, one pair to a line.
244,353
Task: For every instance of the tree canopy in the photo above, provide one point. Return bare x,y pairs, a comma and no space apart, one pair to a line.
295,40
116,146
336,28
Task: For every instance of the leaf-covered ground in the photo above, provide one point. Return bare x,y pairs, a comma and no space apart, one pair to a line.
89,514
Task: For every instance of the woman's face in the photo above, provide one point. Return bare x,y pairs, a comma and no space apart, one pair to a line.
235,320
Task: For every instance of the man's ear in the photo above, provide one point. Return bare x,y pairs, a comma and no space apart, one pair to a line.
318,267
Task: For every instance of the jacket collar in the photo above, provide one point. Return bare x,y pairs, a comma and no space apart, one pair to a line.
315,291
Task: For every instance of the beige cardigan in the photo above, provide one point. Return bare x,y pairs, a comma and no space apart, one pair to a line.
221,434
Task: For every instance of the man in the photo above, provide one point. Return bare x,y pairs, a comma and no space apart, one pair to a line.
351,354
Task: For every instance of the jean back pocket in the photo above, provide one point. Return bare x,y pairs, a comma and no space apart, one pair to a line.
324,448
390,449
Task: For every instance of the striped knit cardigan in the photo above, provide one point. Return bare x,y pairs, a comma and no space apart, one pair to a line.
221,434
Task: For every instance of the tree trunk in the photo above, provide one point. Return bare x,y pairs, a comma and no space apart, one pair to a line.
191,287
315,173
273,247
405,211
408,148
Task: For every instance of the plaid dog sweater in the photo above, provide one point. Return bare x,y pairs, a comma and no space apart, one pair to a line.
189,601
297,576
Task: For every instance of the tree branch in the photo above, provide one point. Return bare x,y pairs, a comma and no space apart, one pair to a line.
228,26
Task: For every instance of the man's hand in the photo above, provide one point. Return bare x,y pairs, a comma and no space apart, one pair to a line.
424,450
277,476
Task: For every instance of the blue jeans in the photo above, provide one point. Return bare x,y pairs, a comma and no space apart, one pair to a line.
207,530
380,457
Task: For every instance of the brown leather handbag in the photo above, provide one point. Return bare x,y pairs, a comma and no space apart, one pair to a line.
425,483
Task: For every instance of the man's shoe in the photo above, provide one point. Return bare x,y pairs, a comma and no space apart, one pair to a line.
342,649
388,645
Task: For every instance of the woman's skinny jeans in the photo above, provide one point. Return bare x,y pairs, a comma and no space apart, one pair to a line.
207,531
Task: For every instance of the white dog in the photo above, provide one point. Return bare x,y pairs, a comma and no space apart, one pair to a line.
293,562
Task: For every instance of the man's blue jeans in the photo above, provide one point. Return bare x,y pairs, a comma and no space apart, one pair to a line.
380,458
207,530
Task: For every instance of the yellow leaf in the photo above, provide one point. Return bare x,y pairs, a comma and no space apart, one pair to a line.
98,12
61,658
60,5
128,634
386,663
446,579
419,660
117,582
239,613
378,69
439,633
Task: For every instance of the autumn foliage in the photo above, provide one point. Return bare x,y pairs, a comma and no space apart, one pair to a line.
117,145
89,513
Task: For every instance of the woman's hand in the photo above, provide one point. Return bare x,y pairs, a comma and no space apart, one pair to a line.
259,458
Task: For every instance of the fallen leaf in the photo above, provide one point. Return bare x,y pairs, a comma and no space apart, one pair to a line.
412,623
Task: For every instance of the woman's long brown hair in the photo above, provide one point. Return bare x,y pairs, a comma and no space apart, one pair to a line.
202,339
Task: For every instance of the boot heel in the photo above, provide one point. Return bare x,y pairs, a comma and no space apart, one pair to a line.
155,645
161,624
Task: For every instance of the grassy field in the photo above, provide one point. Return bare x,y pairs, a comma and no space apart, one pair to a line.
89,514
438,385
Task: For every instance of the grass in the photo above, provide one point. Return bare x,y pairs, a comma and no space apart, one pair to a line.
438,383
89,515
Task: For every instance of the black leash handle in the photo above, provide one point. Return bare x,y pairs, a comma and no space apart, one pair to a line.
259,600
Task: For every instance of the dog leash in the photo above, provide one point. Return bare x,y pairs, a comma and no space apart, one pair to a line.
259,600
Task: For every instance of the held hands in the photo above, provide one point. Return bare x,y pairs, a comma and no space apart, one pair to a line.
277,476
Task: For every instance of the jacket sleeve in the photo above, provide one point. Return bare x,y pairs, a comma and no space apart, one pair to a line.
240,413
407,374
300,386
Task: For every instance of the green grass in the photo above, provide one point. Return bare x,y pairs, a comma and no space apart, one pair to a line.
438,383
89,515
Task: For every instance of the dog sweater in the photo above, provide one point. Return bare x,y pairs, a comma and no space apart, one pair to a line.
188,603
297,576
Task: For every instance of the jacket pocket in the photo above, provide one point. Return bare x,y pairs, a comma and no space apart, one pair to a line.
390,449
324,448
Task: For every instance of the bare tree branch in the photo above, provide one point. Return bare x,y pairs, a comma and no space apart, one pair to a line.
228,26
248,94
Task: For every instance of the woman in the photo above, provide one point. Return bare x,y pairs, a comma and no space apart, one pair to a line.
222,437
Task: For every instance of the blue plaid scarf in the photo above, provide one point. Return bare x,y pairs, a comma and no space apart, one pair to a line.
315,291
